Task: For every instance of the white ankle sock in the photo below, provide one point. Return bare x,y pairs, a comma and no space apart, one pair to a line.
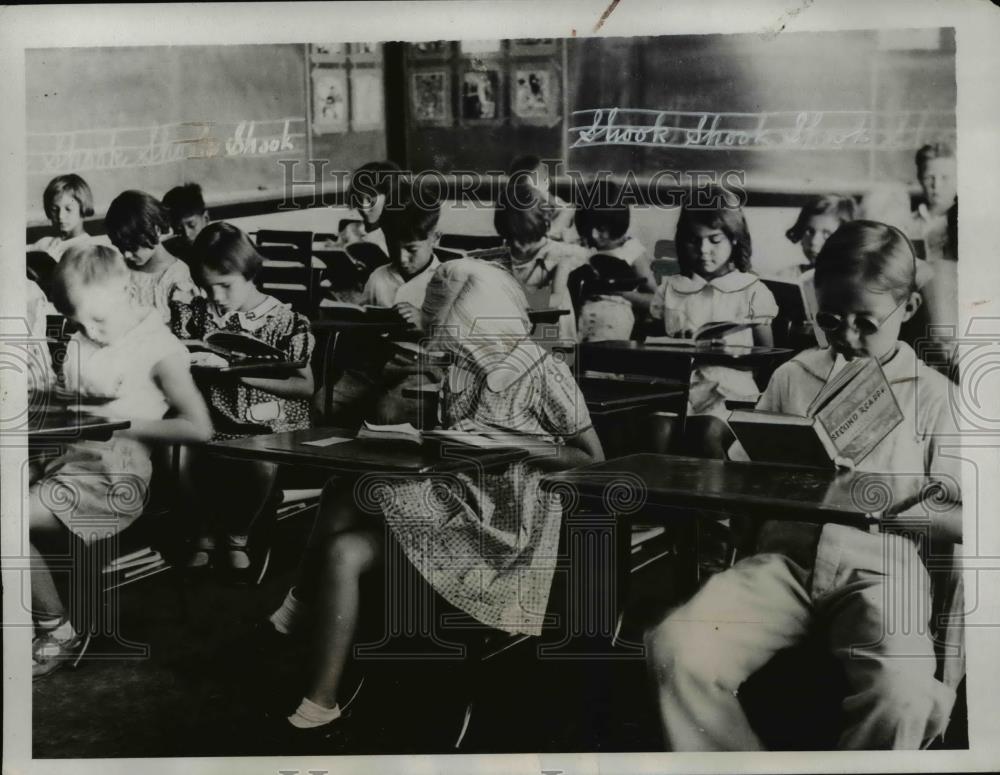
285,617
64,632
309,715
60,629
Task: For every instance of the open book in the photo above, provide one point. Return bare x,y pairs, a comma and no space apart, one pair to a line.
849,417
707,335
246,355
369,313
483,439
406,433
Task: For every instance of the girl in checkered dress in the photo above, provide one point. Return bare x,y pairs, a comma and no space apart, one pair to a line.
486,541
237,492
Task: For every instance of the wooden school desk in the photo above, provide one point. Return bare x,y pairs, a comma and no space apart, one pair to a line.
65,424
627,357
361,456
676,491
604,397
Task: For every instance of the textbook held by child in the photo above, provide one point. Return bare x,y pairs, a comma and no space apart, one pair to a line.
849,417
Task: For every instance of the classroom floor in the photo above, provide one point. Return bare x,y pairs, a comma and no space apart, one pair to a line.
203,690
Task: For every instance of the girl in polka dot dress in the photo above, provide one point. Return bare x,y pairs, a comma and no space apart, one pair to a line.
487,541
225,264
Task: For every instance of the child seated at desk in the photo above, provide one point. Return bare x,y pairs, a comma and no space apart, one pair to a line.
540,264
40,373
95,489
935,224
188,216
489,547
372,387
603,225
137,224
715,286
372,186
234,493
67,200
868,592
533,171
820,217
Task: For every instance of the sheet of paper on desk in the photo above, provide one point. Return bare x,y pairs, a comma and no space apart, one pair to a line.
483,439
327,442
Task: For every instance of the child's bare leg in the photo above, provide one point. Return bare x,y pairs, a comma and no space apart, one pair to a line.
254,482
341,549
195,505
47,533
347,556
336,514
233,495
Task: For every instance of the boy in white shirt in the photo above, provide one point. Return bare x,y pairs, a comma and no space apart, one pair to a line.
373,387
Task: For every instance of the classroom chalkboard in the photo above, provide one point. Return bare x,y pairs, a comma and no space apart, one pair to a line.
795,111
150,118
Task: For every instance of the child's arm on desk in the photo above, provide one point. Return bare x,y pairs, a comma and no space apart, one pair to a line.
640,300
945,523
578,450
299,385
189,421
644,268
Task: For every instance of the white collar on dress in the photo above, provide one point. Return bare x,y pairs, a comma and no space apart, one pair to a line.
250,320
729,283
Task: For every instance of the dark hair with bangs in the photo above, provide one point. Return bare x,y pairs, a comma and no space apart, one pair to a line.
521,215
938,150
224,249
372,179
602,210
717,215
841,207
136,220
73,185
182,201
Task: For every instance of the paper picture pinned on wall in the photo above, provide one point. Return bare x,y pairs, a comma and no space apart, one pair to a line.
329,100
330,49
431,49
430,97
480,89
534,93
367,106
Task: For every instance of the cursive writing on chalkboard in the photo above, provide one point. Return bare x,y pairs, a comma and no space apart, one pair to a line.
802,130
54,153
244,143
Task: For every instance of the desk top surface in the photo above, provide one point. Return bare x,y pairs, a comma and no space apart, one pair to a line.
68,424
630,482
364,455
734,354
620,394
